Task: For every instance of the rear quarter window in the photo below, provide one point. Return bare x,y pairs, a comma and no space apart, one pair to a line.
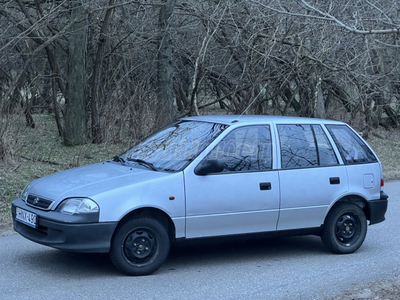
352,148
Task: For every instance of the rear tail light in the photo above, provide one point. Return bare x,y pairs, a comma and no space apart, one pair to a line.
382,182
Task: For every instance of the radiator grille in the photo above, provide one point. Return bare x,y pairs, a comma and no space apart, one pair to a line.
39,202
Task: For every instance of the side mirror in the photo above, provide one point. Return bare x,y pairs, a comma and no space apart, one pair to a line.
208,167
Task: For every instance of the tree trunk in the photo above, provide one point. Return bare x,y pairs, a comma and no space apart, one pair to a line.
97,136
75,111
165,106
319,105
57,116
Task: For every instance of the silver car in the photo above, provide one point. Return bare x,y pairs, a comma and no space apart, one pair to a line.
211,176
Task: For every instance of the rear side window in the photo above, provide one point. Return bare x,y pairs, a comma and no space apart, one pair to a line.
351,147
247,148
305,146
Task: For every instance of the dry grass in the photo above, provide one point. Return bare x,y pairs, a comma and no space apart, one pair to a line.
39,152
386,144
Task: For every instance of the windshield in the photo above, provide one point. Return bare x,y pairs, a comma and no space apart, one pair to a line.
173,147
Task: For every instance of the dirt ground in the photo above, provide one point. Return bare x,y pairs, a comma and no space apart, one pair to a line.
378,290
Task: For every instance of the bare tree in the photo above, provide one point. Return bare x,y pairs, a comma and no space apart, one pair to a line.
132,65
165,86
75,111
96,96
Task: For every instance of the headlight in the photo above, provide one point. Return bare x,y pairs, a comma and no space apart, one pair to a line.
78,206
25,193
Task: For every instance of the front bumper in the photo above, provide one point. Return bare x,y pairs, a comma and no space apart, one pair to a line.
62,234
377,209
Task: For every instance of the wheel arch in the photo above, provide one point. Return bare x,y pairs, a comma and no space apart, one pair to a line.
354,199
154,213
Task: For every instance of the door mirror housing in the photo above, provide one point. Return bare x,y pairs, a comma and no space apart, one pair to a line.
209,166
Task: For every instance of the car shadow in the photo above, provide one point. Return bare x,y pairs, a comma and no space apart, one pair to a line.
56,262
184,255
241,249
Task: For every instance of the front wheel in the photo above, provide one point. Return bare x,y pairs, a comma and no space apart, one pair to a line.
344,229
140,246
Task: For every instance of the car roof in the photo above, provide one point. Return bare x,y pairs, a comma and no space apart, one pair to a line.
258,119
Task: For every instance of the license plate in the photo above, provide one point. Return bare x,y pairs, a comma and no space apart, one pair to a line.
26,217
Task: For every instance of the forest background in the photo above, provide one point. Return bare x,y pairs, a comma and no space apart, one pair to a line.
82,80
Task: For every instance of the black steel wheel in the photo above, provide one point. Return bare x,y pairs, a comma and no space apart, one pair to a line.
140,246
345,228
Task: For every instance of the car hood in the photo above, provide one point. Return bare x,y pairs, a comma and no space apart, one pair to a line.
91,180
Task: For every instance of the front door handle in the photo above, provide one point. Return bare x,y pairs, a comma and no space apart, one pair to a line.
265,186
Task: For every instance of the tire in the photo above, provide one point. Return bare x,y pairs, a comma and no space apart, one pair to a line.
344,229
140,246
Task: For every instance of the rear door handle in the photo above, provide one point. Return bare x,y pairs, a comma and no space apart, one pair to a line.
334,180
265,186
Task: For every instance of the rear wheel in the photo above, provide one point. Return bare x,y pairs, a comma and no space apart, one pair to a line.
140,246
344,229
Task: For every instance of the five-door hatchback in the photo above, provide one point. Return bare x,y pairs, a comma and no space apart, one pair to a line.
211,176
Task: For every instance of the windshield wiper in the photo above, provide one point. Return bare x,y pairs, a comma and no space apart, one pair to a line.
118,159
143,163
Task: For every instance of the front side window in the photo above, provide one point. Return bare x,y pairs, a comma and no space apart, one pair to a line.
173,147
351,147
304,146
247,148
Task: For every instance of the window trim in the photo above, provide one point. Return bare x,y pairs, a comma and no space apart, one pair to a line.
364,145
328,139
268,127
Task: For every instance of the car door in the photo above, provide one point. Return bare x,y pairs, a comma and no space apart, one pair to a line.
244,196
311,177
